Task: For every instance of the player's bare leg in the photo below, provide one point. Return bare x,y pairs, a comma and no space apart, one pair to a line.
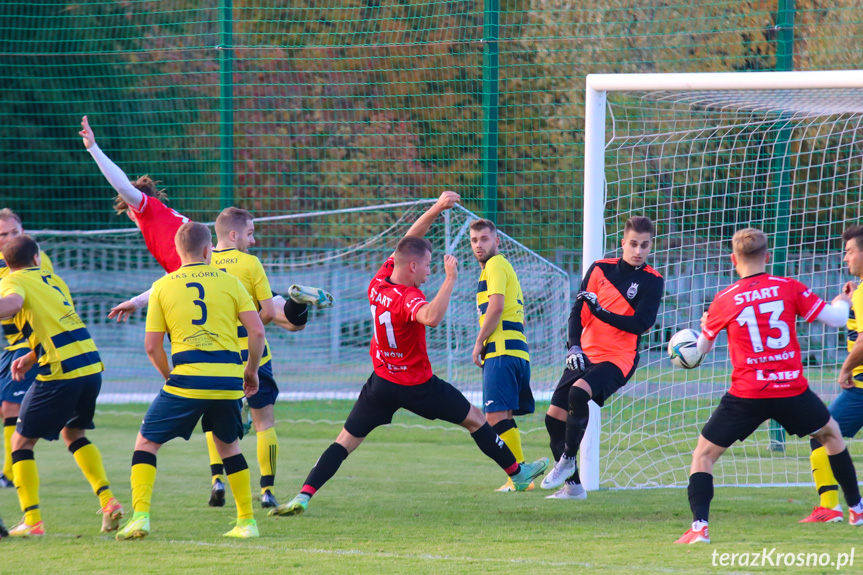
325,468
843,468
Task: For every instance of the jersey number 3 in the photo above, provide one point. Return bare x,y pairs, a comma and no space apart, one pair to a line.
385,319
199,302
774,308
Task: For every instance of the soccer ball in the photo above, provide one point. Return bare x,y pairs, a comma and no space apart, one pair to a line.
683,349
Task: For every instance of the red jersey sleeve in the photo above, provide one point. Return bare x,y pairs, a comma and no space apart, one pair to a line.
809,305
414,301
386,270
718,317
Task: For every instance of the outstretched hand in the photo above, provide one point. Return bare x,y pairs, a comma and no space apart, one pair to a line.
87,133
122,311
447,200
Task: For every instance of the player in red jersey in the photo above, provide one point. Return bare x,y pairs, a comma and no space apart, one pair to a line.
767,382
402,376
142,202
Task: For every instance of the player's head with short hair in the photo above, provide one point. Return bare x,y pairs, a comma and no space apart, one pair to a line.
483,240
853,238
147,186
413,257
194,242
10,227
22,252
749,247
234,226
637,240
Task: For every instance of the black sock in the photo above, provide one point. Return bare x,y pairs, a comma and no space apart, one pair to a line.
556,435
235,464
296,313
217,469
700,494
78,444
493,446
576,420
846,476
325,468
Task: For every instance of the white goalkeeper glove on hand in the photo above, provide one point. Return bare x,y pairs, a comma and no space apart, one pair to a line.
575,359
590,299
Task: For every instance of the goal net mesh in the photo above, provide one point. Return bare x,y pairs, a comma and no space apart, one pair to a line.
702,165
329,359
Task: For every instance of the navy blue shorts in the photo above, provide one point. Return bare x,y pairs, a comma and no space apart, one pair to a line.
268,391
380,399
172,416
11,390
847,409
49,406
506,385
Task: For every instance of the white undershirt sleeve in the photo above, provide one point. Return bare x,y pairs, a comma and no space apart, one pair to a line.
704,344
835,315
117,178
141,301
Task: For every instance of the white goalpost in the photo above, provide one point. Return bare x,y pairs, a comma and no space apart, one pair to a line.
702,155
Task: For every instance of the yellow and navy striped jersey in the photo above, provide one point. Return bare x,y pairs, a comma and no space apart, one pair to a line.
508,337
13,336
51,325
854,325
197,306
248,269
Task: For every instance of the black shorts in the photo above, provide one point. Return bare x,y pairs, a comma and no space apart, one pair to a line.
604,379
737,417
380,399
49,406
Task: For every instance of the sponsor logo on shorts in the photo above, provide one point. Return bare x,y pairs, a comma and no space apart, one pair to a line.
489,402
17,393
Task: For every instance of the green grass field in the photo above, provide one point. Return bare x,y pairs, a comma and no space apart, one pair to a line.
408,501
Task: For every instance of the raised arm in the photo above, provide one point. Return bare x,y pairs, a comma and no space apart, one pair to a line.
433,313
421,227
115,176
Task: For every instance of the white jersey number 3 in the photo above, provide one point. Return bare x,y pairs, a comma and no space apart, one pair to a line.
774,308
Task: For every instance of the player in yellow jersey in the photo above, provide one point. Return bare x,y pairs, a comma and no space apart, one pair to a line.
11,391
847,408
198,306
235,233
62,400
501,346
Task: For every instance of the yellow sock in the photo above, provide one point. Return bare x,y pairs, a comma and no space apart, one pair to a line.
268,453
89,459
143,479
241,489
824,480
8,430
27,484
512,438
216,465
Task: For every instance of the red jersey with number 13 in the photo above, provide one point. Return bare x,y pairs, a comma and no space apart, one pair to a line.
398,347
760,313
159,225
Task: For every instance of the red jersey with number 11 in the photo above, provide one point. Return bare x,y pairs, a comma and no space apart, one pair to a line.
760,313
398,347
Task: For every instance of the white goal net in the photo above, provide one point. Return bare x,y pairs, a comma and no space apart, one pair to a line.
703,164
329,360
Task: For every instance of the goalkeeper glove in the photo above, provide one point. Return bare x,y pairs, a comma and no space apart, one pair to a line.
575,359
590,299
